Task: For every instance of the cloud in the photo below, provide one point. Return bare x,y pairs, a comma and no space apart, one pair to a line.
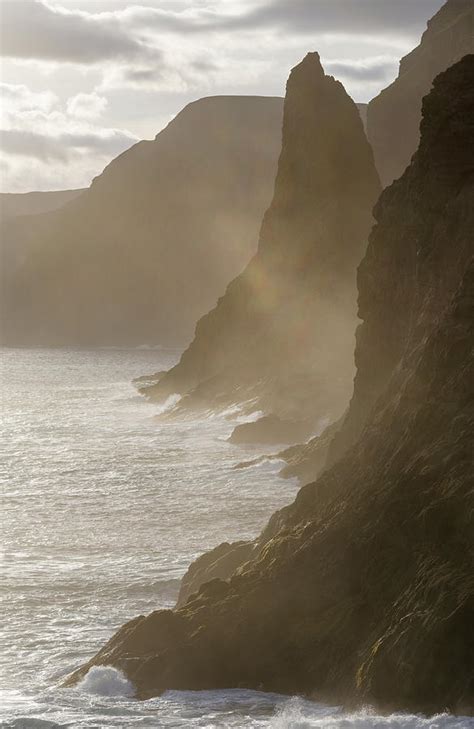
309,17
64,145
41,137
19,98
32,29
86,106
297,16
31,144
373,70
124,42
133,65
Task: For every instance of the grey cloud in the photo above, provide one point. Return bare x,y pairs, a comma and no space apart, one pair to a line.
297,16
113,142
142,75
62,147
336,16
31,29
375,72
32,144
147,16
204,65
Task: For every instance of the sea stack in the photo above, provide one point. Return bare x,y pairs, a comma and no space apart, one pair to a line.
362,591
393,117
282,334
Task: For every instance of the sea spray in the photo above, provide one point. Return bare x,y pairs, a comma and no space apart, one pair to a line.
168,404
298,713
106,681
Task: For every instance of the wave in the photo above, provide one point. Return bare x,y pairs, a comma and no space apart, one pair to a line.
25,722
251,417
298,713
168,404
106,681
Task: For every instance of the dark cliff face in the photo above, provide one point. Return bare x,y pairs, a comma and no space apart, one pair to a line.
362,588
284,327
218,563
393,117
414,274
147,249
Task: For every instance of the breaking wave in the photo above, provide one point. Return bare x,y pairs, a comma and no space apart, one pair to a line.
298,713
168,404
106,681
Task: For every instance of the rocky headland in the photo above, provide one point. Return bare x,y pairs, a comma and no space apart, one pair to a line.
139,256
362,589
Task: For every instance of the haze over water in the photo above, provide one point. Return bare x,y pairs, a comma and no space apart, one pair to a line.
104,508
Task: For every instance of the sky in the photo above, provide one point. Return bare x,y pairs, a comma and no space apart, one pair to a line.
83,80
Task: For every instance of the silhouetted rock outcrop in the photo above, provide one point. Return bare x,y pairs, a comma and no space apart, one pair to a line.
282,335
393,117
306,461
271,429
147,249
362,590
218,563
32,203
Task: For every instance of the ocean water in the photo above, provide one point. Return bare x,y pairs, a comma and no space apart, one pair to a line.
105,502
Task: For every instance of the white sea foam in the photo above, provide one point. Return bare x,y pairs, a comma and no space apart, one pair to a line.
250,417
298,713
25,722
106,681
230,412
168,404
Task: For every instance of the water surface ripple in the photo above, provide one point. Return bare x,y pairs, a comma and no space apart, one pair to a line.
103,508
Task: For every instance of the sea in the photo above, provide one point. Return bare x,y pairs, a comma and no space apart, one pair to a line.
106,499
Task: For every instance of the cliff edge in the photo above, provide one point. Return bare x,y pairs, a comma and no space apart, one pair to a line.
393,117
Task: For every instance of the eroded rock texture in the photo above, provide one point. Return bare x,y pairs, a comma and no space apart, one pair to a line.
363,588
218,563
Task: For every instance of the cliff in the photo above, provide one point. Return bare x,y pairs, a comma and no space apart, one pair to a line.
147,249
362,588
393,117
282,334
218,563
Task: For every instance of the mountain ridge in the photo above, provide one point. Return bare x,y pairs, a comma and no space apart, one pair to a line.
148,247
